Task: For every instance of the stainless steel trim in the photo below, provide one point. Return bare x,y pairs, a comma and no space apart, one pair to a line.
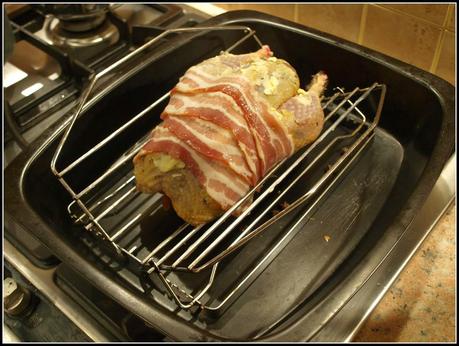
439,200
348,321
8,335
43,280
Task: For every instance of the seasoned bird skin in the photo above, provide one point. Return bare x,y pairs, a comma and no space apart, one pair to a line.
277,82
306,129
189,200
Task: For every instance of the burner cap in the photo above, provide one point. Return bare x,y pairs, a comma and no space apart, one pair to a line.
82,24
81,44
78,17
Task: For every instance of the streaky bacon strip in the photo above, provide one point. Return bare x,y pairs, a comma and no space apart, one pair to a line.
221,110
224,132
217,186
264,125
211,141
230,188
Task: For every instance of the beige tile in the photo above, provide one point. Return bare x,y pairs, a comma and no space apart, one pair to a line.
403,37
278,10
339,20
228,7
10,8
451,25
445,68
432,12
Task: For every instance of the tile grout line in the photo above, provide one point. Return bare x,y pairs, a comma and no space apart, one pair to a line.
363,22
441,39
399,12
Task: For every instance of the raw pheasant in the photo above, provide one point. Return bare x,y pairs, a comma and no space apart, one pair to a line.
229,120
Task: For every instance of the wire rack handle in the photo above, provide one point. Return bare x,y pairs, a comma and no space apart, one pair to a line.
96,76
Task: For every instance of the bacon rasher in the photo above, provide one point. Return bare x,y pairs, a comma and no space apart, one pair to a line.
222,184
222,125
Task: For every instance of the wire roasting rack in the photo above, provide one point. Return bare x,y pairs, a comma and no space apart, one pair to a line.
201,249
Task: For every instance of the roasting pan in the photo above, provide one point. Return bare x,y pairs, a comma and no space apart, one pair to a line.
332,254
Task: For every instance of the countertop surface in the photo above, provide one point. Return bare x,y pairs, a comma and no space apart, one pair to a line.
421,304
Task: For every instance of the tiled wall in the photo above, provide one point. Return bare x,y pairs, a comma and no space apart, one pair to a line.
419,34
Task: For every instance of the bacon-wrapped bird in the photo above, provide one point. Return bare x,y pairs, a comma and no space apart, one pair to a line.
229,120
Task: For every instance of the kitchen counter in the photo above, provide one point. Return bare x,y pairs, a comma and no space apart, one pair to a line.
420,305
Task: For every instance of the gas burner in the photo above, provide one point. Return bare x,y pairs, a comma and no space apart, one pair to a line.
81,39
57,47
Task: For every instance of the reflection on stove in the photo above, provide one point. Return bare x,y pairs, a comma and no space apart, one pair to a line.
29,70
12,75
137,14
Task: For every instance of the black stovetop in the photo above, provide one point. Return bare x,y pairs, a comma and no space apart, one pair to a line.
42,77
34,110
